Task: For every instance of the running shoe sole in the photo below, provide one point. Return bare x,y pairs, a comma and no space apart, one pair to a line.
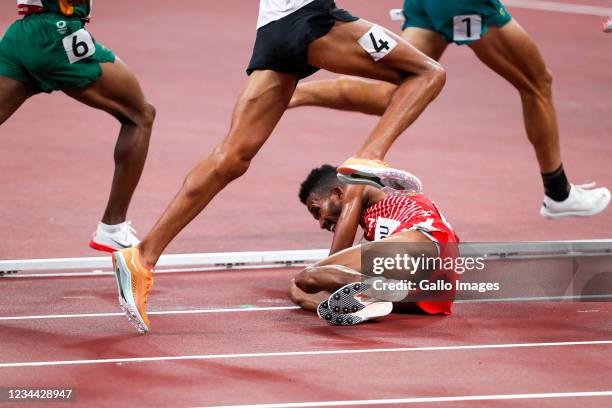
368,312
126,296
343,300
351,179
381,177
100,247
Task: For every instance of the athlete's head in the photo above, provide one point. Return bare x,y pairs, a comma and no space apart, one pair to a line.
322,193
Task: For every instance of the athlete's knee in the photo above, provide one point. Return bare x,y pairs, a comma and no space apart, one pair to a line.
436,76
433,76
148,115
306,281
544,82
538,85
143,117
231,163
295,294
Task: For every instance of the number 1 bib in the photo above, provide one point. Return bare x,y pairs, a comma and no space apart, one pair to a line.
467,27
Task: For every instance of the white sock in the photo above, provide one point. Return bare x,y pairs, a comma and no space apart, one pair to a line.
111,229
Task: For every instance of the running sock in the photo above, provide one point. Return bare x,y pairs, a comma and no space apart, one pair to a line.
111,229
556,185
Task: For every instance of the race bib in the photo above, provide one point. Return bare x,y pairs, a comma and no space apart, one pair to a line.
467,27
79,45
377,43
384,228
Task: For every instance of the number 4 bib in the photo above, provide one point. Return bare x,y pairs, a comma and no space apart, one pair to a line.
467,28
377,43
79,45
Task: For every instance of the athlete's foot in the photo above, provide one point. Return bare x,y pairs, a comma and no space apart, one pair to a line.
134,283
607,26
111,238
349,306
377,174
583,201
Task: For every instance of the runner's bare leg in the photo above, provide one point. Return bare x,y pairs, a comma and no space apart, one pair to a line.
360,95
419,79
12,95
511,53
342,268
306,301
259,108
264,100
118,92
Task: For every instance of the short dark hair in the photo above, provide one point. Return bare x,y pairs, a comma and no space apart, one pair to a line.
320,180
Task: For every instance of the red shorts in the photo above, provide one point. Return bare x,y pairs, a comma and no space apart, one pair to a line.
444,235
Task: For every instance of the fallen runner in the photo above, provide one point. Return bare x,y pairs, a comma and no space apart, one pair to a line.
337,288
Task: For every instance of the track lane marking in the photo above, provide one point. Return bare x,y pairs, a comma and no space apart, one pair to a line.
425,400
303,353
276,308
165,312
570,8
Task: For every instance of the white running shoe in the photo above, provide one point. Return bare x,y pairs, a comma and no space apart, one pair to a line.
372,309
583,201
349,306
111,238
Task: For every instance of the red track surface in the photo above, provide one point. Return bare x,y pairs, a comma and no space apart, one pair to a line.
277,379
469,148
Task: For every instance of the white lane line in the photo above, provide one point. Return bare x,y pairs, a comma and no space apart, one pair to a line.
166,312
426,399
274,308
570,8
96,273
302,353
536,298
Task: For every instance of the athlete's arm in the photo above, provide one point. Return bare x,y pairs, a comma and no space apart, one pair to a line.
346,227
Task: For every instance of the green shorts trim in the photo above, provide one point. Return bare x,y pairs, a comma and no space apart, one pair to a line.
50,52
458,21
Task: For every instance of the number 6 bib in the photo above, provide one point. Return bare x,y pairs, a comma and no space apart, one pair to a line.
79,45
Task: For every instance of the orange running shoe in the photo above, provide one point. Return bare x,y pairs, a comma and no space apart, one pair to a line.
134,283
378,174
